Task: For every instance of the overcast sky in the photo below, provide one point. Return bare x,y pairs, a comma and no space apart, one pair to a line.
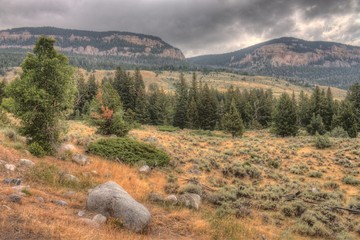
196,26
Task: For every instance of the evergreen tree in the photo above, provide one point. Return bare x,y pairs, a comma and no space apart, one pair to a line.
316,125
180,117
125,86
304,111
346,118
353,96
141,112
328,109
285,118
44,94
318,102
193,114
232,121
207,109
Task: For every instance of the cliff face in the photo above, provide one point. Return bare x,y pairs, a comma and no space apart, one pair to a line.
327,63
122,44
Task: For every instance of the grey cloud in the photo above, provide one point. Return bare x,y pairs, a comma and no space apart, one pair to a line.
195,26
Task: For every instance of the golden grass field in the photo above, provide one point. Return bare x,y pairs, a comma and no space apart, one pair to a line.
34,219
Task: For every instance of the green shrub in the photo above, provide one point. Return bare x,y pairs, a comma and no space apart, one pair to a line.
294,209
309,225
44,173
36,149
11,134
315,174
322,142
128,151
351,181
339,132
191,188
168,129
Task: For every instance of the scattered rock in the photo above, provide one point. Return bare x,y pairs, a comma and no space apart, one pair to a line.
156,197
70,178
99,219
151,140
81,159
40,199
14,181
10,167
171,199
60,202
81,213
90,222
2,162
110,199
27,163
67,147
190,200
15,198
144,169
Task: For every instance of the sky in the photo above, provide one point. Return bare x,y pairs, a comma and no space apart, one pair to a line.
196,26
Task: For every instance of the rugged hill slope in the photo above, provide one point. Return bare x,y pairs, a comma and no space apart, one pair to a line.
92,49
322,62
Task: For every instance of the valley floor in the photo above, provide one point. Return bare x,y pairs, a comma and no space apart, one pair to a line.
260,169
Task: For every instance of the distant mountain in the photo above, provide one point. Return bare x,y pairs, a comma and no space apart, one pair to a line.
91,49
328,63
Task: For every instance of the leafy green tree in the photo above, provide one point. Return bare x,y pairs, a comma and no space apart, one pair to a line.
44,94
316,125
285,117
180,117
232,121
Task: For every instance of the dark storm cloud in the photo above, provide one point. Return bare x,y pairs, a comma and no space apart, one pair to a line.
196,26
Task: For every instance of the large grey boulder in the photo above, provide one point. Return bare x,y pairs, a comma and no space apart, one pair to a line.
110,199
81,159
27,163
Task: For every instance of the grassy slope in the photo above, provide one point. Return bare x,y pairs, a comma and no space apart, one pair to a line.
36,220
221,81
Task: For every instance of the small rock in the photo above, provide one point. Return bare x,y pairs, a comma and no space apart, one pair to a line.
99,219
10,167
27,163
15,181
81,159
190,200
151,140
21,188
60,202
40,199
2,162
90,222
171,199
67,147
155,197
15,198
81,213
70,178
144,169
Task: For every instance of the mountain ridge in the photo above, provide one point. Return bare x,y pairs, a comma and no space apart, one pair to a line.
312,61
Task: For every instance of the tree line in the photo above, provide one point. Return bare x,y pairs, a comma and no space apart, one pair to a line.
47,92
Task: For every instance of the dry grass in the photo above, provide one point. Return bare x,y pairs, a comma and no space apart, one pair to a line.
33,219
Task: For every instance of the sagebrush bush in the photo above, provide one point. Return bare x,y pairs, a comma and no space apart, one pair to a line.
351,181
339,132
322,142
128,151
191,188
36,149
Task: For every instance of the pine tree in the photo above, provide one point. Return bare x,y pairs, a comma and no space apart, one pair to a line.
304,111
125,86
44,94
180,117
232,121
207,109
285,118
353,96
328,109
346,119
316,125
141,112
193,114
